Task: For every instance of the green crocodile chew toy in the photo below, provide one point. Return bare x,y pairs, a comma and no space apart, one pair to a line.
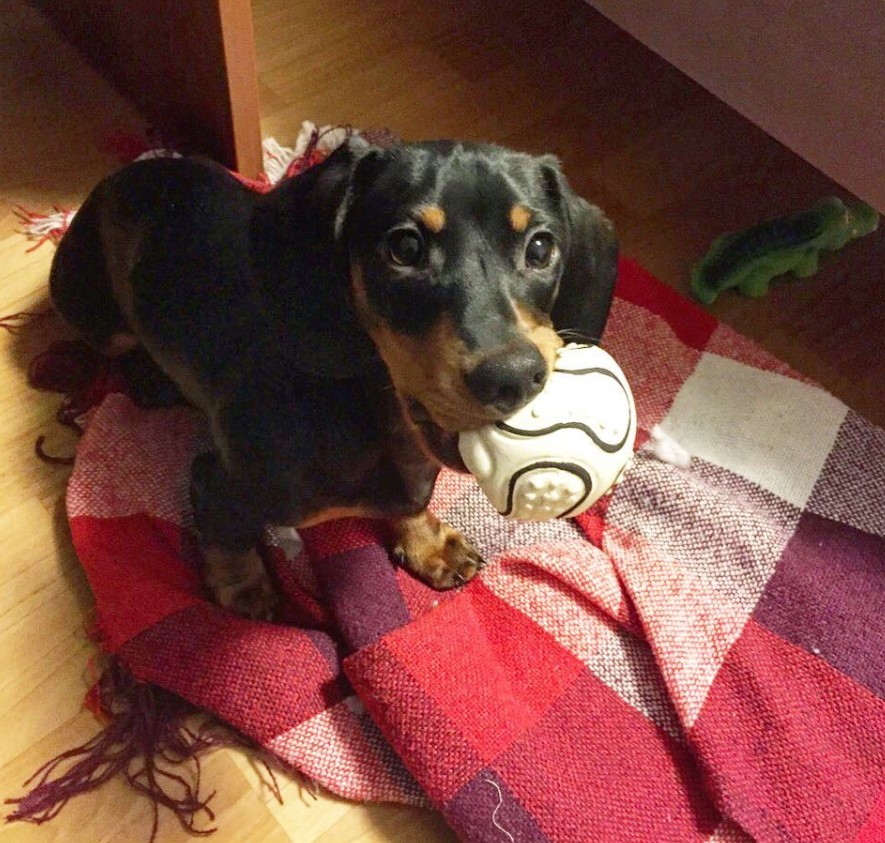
750,259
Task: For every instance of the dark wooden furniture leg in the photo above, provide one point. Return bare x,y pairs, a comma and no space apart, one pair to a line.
188,66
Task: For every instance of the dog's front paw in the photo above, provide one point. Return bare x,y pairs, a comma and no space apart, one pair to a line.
436,552
239,582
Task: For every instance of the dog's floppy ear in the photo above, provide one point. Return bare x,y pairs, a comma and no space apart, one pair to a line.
590,255
356,161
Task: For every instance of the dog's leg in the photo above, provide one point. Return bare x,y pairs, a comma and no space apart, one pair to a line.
229,524
239,581
435,551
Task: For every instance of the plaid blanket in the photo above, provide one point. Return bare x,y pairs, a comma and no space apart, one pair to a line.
699,657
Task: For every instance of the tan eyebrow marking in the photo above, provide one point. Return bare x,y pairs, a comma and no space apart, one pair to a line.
433,217
520,216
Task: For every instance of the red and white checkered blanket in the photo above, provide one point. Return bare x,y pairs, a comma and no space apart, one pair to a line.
699,657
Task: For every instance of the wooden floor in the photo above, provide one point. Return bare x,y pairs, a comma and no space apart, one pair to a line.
671,165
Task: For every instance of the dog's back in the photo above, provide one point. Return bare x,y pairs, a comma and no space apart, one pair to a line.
159,255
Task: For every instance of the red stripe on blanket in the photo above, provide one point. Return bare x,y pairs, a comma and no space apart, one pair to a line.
300,607
416,727
691,323
462,682
802,760
592,522
262,677
516,669
596,769
134,565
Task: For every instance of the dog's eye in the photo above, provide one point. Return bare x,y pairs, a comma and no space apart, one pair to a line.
405,247
540,250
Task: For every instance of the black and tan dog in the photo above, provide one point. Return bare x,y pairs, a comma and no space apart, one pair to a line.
340,330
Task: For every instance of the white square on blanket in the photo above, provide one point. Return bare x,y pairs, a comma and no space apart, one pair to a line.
771,429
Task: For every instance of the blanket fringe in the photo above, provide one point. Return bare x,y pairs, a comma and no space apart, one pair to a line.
145,735
41,228
15,323
82,375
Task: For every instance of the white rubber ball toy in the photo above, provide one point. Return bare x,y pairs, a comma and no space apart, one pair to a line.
566,448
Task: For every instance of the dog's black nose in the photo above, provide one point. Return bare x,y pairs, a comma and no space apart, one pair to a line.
509,379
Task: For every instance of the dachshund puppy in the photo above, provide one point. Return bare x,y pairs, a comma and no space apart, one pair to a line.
339,331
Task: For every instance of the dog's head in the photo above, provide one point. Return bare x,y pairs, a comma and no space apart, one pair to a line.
468,265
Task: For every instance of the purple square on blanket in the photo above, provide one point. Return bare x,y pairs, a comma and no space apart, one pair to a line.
851,487
828,596
486,811
590,745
